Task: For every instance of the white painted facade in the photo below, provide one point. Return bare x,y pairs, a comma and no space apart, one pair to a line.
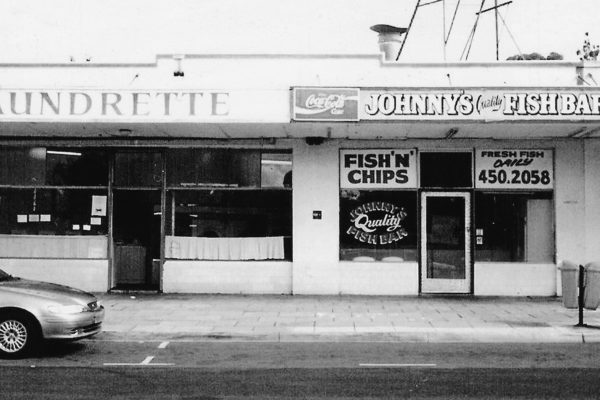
316,267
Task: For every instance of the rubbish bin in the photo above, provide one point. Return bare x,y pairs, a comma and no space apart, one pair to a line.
569,273
591,295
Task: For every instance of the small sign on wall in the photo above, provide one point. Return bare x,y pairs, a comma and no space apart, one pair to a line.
317,214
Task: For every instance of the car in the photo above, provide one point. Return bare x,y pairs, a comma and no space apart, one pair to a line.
32,312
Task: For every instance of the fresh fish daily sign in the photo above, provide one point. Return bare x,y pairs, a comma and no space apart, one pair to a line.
514,169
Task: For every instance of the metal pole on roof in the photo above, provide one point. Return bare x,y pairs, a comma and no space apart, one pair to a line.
497,42
408,29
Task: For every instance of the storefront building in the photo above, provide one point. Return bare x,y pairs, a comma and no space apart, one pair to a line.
300,175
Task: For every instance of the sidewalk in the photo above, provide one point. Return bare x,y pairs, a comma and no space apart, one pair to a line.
343,318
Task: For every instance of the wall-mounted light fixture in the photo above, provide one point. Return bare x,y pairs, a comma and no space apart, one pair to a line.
179,60
314,140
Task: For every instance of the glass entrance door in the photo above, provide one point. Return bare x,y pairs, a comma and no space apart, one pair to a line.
445,242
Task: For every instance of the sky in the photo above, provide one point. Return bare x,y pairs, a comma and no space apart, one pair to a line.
137,30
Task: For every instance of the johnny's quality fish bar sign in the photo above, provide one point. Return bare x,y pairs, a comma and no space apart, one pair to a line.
377,223
468,104
378,168
487,104
514,169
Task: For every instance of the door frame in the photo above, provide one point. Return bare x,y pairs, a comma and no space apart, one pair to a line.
454,286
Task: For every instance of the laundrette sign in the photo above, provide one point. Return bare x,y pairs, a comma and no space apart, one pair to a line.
118,105
490,104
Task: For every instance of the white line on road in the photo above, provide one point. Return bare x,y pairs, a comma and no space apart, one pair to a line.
147,360
146,363
396,365
163,345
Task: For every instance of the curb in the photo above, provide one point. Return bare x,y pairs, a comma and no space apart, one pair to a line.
434,335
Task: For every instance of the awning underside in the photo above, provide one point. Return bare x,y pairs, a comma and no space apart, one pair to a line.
362,130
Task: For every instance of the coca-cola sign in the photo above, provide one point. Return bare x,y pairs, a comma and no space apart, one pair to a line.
377,223
324,104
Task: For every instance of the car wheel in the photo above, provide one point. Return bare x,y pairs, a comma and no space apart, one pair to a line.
18,335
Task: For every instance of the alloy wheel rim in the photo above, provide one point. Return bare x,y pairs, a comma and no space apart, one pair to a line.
13,336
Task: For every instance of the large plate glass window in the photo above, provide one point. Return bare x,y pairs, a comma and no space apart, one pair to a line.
514,209
53,202
229,204
378,225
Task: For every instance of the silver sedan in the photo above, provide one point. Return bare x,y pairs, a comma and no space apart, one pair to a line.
32,311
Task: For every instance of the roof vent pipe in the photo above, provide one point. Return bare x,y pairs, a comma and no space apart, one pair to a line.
390,40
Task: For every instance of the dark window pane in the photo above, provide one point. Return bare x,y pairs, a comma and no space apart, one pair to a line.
51,212
76,167
23,166
378,225
214,167
138,169
514,227
445,170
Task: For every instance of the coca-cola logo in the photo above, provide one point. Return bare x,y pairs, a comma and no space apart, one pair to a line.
334,103
377,223
325,104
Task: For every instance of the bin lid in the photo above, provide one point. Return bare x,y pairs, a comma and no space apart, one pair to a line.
566,265
593,266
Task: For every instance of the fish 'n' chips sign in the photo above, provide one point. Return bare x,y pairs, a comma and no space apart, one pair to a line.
378,168
514,169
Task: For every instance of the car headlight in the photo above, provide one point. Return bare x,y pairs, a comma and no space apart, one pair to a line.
74,309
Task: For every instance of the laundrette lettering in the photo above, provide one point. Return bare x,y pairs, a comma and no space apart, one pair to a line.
114,103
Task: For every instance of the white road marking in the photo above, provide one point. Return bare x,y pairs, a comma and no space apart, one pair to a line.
146,363
396,365
147,360
163,345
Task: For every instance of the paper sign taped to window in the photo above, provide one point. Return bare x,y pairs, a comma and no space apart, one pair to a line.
99,206
87,227
34,218
95,221
75,227
21,219
45,218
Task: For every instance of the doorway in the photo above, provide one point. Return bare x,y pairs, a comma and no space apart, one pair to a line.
136,237
445,242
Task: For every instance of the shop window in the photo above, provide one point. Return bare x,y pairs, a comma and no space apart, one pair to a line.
378,225
214,167
230,225
514,227
446,170
53,223
53,166
276,170
138,169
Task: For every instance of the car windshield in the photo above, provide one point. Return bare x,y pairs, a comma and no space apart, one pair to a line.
4,276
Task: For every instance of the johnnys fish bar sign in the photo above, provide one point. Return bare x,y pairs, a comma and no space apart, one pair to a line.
377,223
489,104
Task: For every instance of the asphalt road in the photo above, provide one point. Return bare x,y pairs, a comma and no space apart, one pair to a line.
214,370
